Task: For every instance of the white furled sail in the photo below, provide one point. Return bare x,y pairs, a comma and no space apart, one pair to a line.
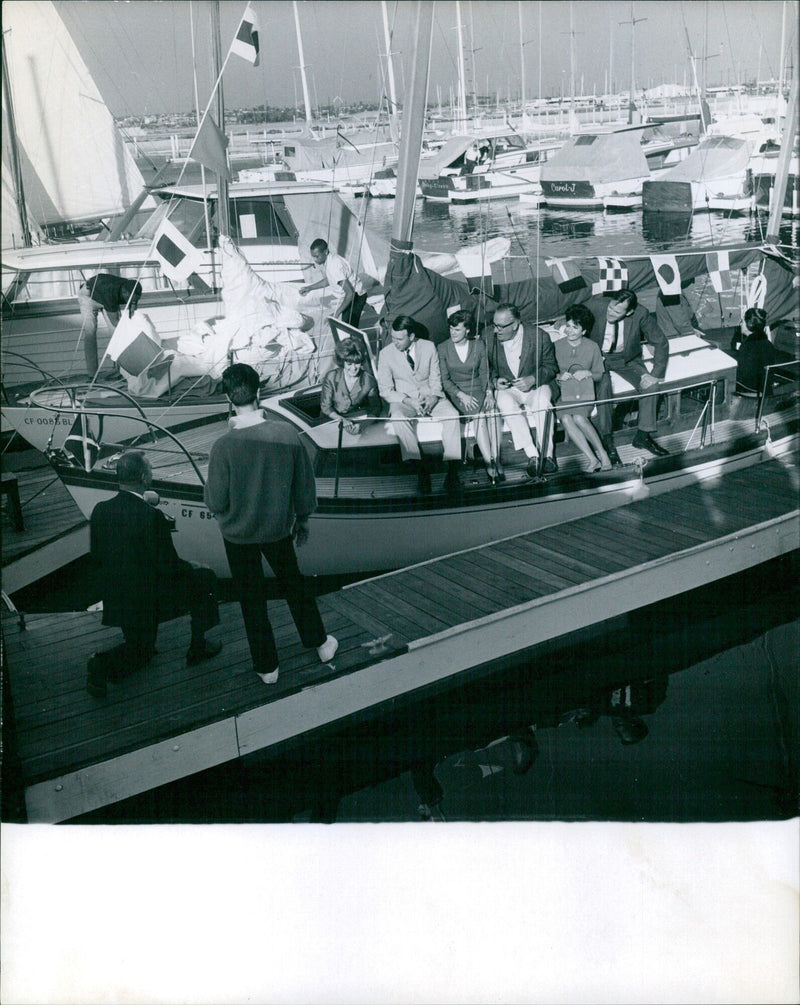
74,162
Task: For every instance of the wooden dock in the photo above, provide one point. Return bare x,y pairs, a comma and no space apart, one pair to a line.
420,628
54,531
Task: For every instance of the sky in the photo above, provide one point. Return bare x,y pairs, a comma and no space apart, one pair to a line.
140,51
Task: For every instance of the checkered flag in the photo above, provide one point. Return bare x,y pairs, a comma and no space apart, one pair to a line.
613,276
719,270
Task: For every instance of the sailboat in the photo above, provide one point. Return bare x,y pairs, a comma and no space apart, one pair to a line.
370,516
273,223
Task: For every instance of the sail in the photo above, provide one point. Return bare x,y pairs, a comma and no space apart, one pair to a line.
74,162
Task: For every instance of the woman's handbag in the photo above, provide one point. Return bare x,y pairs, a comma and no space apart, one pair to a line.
574,390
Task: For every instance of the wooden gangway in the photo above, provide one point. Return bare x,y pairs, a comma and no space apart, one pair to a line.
423,627
53,530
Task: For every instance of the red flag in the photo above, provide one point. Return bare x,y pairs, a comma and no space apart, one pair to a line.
567,274
245,44
209,148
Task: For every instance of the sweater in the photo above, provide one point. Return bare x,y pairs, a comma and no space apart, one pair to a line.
260,480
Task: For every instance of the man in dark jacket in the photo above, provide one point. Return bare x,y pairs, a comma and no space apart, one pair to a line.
104,292
620,325
142,580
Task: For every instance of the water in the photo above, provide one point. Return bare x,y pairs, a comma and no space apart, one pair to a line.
685,711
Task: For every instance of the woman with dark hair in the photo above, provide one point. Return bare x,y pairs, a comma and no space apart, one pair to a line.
465,380
347,390
755,351
580,364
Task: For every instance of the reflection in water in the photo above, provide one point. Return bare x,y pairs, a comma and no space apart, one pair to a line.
666,227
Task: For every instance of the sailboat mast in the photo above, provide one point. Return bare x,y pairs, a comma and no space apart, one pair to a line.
782,169
19,189
521,60
303,77
413,123
387,35
223,216
462,85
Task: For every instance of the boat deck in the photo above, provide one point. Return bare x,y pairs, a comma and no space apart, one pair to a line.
419,628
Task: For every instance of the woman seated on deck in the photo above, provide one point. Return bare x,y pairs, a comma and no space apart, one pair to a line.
580,364
753,352
465,380
348,391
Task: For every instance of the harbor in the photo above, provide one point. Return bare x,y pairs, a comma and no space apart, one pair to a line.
512,364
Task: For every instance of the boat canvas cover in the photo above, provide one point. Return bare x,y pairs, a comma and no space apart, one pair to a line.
74,162
715,157
597,158
432,167
339,153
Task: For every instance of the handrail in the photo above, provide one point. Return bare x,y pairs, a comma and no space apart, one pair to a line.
767,377
153,426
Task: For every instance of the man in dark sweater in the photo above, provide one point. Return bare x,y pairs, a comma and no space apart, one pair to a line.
261,489
104,292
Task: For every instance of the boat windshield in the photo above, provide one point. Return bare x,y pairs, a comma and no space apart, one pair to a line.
42,285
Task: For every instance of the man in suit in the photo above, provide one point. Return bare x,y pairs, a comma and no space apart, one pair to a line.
142,580
620,325
410,382
522,370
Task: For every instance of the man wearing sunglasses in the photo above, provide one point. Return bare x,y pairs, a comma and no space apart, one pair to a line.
522,369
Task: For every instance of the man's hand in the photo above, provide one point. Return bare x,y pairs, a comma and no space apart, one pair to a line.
300,532
426,403
648,380
524,384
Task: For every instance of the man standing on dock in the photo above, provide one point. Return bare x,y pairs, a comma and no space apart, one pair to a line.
109,293
261,489
142,580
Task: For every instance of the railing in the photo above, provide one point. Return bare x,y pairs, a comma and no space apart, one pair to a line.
79,409
762,394
705,421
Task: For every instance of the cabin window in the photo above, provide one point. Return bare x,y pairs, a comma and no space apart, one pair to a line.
585,141
260,221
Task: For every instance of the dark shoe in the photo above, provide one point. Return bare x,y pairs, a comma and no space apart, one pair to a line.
550,467
197,654
644,441
423,481
532,467
629,730
611,450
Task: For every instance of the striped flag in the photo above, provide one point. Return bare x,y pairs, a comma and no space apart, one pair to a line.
668,276
245,44
177,256
209,147
719,270
567,274
613,276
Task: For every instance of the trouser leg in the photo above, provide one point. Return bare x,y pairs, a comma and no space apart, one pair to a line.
404,431
302,603
633,373
248,577
201,584
89,311
509,406
538,402
451,429
604,390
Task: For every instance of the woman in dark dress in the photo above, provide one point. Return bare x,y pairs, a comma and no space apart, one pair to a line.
465,380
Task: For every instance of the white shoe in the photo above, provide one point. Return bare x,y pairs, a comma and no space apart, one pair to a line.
327,650
269,678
